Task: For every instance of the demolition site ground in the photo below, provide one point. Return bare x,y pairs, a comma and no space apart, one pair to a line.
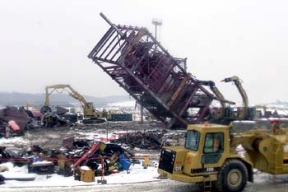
52,138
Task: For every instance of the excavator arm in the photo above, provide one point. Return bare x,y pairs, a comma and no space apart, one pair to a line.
242,114
72,92
219,96
90,114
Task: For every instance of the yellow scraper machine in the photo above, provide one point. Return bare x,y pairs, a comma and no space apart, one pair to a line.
209,155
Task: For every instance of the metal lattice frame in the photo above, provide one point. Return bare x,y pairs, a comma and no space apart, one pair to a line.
159,82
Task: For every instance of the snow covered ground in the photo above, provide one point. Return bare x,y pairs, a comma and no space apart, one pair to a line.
136,174
138,179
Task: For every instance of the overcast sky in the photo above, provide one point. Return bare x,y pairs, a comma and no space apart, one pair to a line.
45,42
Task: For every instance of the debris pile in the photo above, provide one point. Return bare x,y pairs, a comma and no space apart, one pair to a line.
15,121
142,140
101,158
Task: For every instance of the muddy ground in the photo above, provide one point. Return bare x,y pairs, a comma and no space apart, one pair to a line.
52,137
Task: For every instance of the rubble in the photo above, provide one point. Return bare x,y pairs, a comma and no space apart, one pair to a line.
19,158
16,121
100,157
56,150
19,116
142,140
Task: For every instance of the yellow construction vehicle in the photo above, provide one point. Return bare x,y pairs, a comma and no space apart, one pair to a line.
245,112
224,111
209,156
90,114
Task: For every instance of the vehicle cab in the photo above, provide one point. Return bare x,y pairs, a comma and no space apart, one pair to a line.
204,152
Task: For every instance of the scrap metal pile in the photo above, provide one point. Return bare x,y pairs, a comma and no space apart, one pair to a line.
151,75
15,121
66,160
71,150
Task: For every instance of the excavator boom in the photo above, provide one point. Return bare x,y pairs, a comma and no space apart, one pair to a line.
243,114
240,88
219,97
72,92
91,116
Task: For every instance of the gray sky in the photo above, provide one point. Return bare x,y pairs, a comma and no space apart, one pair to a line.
45,42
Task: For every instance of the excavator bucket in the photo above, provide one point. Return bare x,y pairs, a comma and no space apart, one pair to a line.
155,79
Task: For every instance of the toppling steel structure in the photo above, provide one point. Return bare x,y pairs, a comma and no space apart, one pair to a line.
156,80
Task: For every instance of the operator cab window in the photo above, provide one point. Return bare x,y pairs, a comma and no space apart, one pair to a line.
192,140
214,143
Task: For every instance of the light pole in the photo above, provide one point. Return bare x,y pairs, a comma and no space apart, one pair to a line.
156,22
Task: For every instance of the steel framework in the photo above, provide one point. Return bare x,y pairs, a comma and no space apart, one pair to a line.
159,82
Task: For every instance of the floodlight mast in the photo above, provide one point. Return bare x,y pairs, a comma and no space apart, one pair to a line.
156,22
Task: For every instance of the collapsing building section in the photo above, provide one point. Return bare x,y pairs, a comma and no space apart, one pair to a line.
157,81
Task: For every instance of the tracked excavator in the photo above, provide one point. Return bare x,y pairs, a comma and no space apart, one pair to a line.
222,114
227,113
91,115
209,155
245,112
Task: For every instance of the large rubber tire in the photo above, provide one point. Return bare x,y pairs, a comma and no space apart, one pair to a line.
232,177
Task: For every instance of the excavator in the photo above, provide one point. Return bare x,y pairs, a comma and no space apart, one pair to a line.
209,156
91,116
245,112
222,115
227,114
